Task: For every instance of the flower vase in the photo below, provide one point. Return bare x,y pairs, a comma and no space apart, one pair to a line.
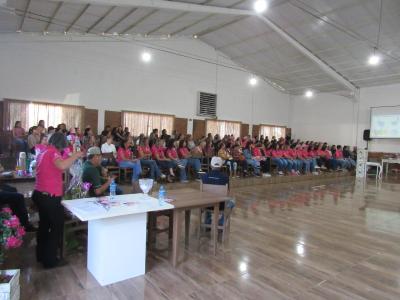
9,284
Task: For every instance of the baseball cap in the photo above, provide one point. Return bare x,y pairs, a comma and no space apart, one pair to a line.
93,151
216,162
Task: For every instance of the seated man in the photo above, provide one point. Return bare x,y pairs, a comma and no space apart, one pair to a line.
16,201
92,173
215,176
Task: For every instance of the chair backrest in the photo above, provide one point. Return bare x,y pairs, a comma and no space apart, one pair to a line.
214,188
108,155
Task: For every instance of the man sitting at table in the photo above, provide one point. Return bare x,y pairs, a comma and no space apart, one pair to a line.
215,176
94,174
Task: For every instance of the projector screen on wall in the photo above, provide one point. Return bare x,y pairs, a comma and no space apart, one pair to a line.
385,122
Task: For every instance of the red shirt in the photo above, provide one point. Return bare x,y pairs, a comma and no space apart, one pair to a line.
339,154
256,151
171,153
48,176
157,151
145,150
276,153
123,152
183,152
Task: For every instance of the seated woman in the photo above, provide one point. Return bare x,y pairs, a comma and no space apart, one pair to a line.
158,154
19,136
338,154
227,159
291,166
125,160
42,146
172,154
348,156
277,158
326,157
238,158
191,161
145,156
264,162
250,160
308,162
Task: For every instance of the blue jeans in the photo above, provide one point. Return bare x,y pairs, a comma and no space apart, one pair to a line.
21,144
167,164
194,163
232,165
182,170
289,164
134,165
154,170
280,162
306,165
255,164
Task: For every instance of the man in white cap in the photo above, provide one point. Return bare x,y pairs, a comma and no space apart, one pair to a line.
215,176
92,173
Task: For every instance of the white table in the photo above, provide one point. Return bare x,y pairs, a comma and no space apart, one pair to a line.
389,161
117,236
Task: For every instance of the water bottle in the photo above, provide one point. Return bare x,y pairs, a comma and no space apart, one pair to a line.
77,145
161,195
113,189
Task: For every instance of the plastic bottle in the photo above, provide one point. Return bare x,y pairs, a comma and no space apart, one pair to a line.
113,189
161,195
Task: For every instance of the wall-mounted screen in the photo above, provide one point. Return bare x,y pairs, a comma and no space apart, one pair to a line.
385,122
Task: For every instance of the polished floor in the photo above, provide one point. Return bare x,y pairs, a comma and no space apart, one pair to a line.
319,239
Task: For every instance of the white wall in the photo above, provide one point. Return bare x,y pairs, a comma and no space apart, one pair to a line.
107,74
338,120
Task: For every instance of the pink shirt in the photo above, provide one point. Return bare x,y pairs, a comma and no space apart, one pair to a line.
39,148
256,152
183,152
48,176
123,152
276,153
339,154
158,151
145,150
172,153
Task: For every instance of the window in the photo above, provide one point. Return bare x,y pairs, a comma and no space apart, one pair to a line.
29,113
223,127
271,130
139,122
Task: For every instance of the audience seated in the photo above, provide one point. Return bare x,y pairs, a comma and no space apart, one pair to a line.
125,160
145,156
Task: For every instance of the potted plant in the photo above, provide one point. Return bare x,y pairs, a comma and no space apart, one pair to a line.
11,234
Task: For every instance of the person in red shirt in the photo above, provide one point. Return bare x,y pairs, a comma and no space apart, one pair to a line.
172,154
184,153
125,160
158,154
277,158
48,195
145,156
264,162
338,155
286,155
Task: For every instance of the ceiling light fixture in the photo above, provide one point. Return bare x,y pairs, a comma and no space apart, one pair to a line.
146,57
309,94
260,6
374,59
253,81
195,36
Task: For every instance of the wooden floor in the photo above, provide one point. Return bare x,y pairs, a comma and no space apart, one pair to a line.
329,239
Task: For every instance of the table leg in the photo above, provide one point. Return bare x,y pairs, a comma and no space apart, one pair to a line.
387,168
215,227
187,226
176,235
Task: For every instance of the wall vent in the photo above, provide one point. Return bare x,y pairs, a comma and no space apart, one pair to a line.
207,105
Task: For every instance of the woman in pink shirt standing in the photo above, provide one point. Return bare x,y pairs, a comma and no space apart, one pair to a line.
47,197
19,136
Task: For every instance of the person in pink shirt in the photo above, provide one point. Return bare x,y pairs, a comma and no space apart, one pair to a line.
145,156
184,153
42,146
172,154
125,160
286,155
264,162
338,155
47,197
277,158
158,154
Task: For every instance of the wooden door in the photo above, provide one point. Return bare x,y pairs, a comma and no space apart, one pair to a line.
91,118
112,118
199,129
180,125
256,130
244,129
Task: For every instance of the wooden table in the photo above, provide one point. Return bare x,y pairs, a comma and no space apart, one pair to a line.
184,201
16,179
389,161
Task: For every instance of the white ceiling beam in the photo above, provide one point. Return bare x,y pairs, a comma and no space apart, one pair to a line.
130,27
163,4
120,19
306,52
21,24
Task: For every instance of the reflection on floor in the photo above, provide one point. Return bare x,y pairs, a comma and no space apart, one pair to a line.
330,239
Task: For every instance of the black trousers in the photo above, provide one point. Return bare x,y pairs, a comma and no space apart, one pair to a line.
16,201
51,227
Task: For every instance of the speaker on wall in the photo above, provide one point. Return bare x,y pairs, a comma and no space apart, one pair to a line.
366,134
